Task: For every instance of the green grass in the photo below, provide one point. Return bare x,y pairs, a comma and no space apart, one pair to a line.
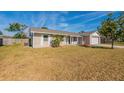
119,43
63,63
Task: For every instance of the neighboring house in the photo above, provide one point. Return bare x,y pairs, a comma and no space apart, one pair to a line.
43,37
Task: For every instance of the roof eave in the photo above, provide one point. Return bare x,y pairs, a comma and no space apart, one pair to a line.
55,33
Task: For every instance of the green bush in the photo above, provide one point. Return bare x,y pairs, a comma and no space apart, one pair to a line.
55,42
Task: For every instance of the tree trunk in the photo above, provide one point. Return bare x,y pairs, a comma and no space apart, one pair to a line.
112,44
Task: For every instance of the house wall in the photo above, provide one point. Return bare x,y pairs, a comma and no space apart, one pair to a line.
95,36
47,43
86,40
63,42
80,41
71,40
37,40
76,42
89,39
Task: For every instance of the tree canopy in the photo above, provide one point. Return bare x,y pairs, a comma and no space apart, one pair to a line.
20,35
17,27
113,27
44,27
13,27
109,28
121,26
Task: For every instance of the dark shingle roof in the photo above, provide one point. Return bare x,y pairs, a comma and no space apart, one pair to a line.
39,30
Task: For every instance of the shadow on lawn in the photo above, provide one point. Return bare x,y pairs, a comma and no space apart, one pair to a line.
101,47
98,47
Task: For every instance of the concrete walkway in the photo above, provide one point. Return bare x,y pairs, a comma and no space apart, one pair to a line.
106,45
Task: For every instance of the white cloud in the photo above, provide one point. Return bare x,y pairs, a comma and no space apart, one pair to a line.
74,27
42,20
38,20
95,18
81,25
63,24
92,14
53,18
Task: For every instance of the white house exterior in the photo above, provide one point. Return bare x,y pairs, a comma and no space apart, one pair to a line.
43,37
94,38
91,38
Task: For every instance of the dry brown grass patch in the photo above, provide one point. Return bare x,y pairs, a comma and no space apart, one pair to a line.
63,63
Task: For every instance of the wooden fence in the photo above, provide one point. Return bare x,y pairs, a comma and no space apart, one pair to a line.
11,41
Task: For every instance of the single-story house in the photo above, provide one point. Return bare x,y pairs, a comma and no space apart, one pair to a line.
43,37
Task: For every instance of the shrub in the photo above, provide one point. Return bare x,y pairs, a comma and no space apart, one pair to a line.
55,42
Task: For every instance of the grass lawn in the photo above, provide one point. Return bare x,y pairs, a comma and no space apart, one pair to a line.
63,63
119,43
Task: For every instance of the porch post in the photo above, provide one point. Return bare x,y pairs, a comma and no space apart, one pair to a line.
99,40
64,40
33,39
49,40
41,40
77,40
70,39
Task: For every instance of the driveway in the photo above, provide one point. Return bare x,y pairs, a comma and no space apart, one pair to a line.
106,45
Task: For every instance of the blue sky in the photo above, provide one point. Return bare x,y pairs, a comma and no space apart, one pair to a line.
73,21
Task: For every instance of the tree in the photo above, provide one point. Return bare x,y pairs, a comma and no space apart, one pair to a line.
1,33
109,28
120,22
81,31
44,28
20,35
17,27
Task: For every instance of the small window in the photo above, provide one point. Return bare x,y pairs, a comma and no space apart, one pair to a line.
45,37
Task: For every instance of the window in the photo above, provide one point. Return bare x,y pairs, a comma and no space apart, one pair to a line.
45,37
75,38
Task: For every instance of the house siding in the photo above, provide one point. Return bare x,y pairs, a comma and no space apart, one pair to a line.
86,39
68,38
39,42
36,40
92,36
